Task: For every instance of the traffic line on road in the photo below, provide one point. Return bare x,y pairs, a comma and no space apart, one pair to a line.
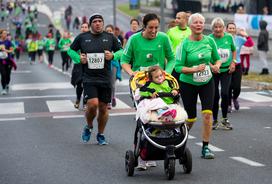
247,161
244,108
21,71
13,119
211,147
12,108
60,106
36,97
68,116
191,137
42,86
255,97
120,105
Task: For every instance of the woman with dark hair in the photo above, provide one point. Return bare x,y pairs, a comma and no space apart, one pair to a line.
147,48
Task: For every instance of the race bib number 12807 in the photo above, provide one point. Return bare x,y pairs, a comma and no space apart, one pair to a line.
96,60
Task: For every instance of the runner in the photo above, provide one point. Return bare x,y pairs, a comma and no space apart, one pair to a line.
146,48
64,45
96,47
50,45
227,51
178,33
5,61
196,59
236,76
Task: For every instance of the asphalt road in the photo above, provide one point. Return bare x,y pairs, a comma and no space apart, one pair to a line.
40,137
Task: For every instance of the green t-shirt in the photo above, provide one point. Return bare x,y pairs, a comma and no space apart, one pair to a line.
32,45
141,52
64,44
193,53
177,35
41,44
50,44
149,88
225,47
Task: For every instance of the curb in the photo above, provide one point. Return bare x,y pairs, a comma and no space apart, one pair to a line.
257,85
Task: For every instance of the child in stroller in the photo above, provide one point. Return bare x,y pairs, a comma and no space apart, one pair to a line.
158,136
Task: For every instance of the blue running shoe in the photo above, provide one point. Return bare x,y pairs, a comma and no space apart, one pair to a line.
101,139
206,153
86,134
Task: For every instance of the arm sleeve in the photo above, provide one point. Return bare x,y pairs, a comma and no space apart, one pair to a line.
215,55
169,56
181,56
127,54
74,56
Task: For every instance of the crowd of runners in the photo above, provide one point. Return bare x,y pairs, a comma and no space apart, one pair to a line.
201,63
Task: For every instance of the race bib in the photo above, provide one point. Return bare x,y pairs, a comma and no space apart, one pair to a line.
203,76
96,60
224,54
66,47
51,47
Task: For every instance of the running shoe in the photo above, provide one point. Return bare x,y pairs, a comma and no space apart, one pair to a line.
206,153
151,164
4,92
76,105
109,106
141,165
86,134
226,124
101,139
215,125
113,102
229,109
236,104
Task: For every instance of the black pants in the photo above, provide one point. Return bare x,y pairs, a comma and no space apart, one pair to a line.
235,86
65,60
224,79
32,56
79,90
17,53
5,70
50,56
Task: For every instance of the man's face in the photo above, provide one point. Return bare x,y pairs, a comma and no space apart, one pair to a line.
181,19
97,25
151,29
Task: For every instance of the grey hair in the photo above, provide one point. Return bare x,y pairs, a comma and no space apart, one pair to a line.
217,20
194,16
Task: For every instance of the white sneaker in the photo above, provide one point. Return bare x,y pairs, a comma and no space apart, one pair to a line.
4,92
141,165
151,164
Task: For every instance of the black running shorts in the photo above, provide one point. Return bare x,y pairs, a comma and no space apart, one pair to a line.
101,92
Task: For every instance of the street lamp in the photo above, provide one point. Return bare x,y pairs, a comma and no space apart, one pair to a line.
162,16
114,13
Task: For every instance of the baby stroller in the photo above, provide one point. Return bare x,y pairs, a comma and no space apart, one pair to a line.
158,140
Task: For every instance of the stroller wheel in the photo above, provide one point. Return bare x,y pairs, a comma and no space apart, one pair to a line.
169,168
186,161
130,162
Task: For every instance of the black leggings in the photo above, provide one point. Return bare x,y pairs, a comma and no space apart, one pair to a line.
65,60
79,91
32,55
189,94
224,79
50,56
235,86
5,70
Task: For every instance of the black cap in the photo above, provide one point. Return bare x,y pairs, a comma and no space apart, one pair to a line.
95,16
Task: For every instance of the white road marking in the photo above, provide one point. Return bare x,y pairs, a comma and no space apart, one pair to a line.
124,82
254,97
123,114
36,97
267,127
191,137
61,106
247,161
41,86
12,108
120,105
68,116
212,148
244,108
21,71
13,119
